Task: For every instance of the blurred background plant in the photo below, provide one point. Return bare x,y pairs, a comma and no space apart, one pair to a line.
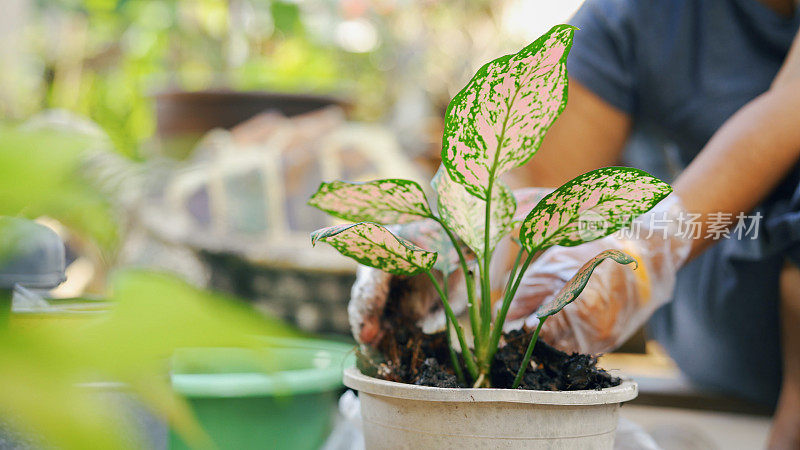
59,358
40,176
396,61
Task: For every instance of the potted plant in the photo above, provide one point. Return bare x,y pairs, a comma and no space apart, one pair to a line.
496,123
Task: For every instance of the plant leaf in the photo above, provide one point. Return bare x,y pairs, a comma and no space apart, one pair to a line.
577,283
466,214
428,233
591,206
383,201
498,121
373,245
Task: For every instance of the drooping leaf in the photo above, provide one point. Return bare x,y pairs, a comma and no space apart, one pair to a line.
591,206
466,214
577,283
498,121
373,245
381,201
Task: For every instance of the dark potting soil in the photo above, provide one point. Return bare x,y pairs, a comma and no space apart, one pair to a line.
407,355
551,369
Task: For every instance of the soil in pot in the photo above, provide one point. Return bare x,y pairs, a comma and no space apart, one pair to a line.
407,355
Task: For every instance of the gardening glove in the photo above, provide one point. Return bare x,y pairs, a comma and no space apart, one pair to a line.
617,300
415,296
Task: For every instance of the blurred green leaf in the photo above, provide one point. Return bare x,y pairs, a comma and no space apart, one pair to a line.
151,316
286,16
40,176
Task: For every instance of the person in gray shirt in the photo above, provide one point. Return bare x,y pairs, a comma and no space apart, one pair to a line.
706,94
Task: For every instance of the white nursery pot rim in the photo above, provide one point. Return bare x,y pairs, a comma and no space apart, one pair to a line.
405,416
354,379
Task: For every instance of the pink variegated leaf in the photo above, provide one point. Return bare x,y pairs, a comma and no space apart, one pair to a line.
383,201
498,121
373,245
429,234
577,283
591,206
466,214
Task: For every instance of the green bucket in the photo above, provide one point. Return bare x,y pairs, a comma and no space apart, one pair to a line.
283,396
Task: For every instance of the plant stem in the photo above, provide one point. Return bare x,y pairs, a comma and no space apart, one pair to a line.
453,356
486,288
469,360
497,331
528,352
513,274
486,351
479,381
474,320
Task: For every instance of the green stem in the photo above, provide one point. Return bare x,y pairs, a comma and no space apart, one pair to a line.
528,352
486,288
497,330
474,320
486,351
453,356
514,268
469,360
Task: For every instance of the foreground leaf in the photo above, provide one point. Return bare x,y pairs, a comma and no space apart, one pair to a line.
466,214
373,245
498,121
41,174
383,201
148,317
577,283
591,206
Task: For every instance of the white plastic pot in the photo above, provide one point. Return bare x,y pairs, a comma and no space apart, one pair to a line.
405,416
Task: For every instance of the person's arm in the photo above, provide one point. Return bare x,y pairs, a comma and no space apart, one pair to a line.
791,65
752,152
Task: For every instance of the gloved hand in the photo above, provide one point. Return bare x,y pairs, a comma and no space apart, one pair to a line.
419,301
617,300
415,297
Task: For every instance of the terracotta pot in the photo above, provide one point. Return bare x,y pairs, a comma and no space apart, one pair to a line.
405,416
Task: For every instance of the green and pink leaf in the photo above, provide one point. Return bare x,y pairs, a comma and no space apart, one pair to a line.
372,245
498,121
429,234
383,201
578,282
465,214
607,199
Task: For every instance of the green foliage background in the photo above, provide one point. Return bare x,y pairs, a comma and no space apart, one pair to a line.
106,58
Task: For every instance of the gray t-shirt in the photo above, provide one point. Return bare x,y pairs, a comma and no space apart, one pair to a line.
680,68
